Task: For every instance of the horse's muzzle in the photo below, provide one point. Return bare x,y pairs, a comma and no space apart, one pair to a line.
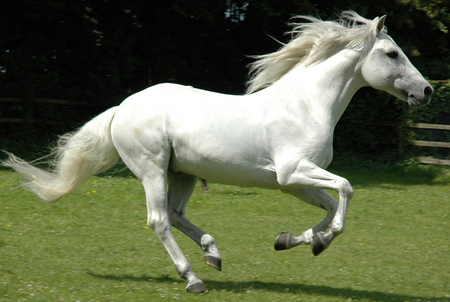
423,100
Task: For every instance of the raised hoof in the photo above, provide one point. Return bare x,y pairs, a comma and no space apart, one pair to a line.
281,243
214,262
198,287
318,243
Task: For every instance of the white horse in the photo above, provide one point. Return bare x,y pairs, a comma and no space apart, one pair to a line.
277,136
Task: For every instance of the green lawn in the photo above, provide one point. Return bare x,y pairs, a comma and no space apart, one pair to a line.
94,245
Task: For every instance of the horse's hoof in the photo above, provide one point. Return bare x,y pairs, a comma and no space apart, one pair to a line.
214,262
318,243
282,241
197,287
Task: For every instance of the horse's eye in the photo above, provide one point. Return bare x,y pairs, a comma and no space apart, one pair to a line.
392,54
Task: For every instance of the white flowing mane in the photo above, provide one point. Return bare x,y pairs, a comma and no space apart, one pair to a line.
311,43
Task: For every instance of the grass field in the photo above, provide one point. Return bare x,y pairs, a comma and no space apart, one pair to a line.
94,245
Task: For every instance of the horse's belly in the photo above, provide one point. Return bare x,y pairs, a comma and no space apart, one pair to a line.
231,172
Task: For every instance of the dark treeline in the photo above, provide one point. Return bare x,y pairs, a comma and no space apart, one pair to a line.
103,51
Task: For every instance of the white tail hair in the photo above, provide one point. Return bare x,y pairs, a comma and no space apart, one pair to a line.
77,156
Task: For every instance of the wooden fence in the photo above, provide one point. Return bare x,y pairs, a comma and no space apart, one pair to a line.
425,160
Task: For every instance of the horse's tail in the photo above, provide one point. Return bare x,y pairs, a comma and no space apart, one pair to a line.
77,156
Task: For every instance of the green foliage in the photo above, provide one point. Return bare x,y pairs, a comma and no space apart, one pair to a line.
438,111
94,244
436,11
372,127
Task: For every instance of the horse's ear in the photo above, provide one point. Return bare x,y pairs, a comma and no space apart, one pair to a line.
380,24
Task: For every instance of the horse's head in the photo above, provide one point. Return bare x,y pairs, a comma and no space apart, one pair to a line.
387,68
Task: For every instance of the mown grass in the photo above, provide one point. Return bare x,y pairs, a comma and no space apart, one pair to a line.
94,244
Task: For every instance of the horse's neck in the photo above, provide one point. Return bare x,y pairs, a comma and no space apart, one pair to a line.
326,88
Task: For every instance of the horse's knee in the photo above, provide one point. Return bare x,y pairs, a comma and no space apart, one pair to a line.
345,188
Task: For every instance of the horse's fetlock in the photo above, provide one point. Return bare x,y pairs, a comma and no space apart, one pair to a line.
207,241
337,229
185,271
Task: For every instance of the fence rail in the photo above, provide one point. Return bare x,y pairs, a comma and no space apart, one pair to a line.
429,126
425,160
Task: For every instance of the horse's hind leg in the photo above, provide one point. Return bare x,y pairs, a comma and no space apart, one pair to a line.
181,187
148,158
158,219
319,198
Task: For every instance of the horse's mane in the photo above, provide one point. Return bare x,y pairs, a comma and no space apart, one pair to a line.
311,43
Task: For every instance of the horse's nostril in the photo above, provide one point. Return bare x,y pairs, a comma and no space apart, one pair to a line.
428,91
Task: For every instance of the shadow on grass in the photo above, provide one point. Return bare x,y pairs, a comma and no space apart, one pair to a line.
283,288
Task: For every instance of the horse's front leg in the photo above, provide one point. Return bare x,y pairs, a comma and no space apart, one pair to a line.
318,198
309,176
